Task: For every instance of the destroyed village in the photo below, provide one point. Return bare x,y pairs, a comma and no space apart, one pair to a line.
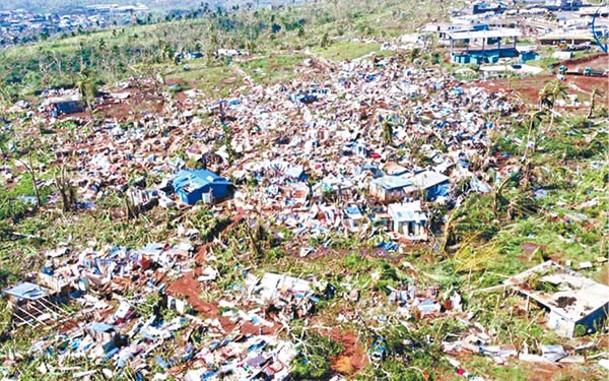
394,190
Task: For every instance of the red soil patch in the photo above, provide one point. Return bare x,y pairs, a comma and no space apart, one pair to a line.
125,110
353,359
249,328
528,88
227,324
188,286
528,248
129,108
595,61
66,326
201,254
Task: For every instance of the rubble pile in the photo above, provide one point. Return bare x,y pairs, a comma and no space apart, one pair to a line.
323,156
369,148
132,303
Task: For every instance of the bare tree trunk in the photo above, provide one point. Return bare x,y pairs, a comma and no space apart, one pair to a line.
592,101
34,181
532,134
67,192
131,209
550,128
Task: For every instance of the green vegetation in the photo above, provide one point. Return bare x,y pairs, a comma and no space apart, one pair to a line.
273,69
314,361
215,82
346,50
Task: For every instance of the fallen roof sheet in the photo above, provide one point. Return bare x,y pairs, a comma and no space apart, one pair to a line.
588,295
26,290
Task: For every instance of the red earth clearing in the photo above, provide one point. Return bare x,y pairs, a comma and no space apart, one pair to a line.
353,359
528,88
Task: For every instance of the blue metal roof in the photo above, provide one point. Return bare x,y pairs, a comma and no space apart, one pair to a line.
27,291
197,178
353,210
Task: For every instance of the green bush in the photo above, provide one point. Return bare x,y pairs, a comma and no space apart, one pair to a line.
313,363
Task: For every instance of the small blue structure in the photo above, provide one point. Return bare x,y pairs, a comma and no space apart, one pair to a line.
484,7
379,347
528,56
193,185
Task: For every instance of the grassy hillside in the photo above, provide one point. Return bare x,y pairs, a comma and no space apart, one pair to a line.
119,53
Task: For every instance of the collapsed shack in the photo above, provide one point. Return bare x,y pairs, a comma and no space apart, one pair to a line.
65,105
286,298
33,305
577,305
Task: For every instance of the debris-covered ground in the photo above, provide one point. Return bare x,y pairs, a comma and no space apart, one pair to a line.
340,212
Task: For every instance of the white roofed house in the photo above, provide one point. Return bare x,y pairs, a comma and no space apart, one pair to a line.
389,188
354,219
427,184
408,220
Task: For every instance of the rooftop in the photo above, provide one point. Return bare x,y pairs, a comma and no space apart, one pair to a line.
479,34
407,212
567,36
425,180
197,178
411,183
392,182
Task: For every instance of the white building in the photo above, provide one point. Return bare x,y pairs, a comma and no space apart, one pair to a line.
408,220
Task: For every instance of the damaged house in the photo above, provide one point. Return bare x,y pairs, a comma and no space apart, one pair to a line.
408,220
64,105
193,185
577,305
394,188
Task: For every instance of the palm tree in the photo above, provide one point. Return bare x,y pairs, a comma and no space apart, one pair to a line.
534,120
593,96
549,95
